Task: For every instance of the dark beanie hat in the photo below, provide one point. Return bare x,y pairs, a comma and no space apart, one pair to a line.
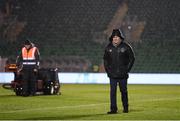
116,32
27,42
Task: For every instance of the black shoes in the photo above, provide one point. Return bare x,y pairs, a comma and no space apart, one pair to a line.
125,111
115,112
112,112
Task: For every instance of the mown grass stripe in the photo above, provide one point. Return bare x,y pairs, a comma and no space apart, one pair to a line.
50,108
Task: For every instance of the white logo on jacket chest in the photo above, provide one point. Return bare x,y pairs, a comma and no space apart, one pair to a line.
110,50
122,50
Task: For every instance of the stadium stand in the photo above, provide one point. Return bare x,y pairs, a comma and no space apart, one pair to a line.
71,34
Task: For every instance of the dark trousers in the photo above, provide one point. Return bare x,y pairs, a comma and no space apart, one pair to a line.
123,90
29,81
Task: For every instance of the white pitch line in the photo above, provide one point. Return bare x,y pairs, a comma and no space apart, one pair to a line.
49,108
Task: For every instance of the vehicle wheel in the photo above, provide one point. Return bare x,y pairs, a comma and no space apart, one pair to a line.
51,89
7,86
18,91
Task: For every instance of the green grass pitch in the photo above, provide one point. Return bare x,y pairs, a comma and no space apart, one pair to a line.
91,102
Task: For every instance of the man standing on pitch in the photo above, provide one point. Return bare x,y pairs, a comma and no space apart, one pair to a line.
118,61
28,64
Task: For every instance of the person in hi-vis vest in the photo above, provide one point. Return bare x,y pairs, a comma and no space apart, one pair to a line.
28,64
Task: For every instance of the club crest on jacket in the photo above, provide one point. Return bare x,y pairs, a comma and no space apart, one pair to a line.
122,50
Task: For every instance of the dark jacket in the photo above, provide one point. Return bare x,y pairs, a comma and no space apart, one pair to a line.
119,60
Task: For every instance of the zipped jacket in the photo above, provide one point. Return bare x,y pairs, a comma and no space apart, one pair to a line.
119,60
